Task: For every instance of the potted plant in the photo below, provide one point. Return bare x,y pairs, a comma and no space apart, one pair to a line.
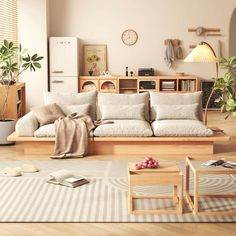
13,61
226,85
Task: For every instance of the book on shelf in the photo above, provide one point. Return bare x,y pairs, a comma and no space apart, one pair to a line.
168,85
167,89
66,178
187,85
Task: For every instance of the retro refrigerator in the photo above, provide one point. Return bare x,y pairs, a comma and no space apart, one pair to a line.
63,64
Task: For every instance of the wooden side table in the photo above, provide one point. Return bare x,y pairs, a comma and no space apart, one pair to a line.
199,169
168,174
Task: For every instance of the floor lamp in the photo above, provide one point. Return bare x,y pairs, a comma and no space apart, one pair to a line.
203,52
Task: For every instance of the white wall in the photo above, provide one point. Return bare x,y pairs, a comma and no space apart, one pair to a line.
232,40
32,34
103,21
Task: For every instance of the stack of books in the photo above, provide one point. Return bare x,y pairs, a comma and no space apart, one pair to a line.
187,85
66,178
167,85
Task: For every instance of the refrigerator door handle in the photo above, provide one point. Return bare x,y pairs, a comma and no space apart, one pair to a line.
58,71
57,81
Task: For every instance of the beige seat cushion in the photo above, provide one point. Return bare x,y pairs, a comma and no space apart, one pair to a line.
122,99
63,99
175,99
48,131
124,128
180,128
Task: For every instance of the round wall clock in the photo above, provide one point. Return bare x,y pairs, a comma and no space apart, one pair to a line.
129,37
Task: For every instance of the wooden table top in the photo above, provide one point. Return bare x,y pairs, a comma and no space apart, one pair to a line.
198,167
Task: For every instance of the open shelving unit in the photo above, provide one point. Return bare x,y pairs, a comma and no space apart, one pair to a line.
16,101
140,84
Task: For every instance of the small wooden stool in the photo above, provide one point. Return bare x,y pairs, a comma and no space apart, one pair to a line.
198,169
167,174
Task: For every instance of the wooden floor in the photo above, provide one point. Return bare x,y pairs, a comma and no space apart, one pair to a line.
137,229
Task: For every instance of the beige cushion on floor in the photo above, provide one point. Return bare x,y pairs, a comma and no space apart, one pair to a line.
180,128
175,99
122,99
124,128
73,99
123,112
48,131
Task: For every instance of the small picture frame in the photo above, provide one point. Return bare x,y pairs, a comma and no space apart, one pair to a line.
95,59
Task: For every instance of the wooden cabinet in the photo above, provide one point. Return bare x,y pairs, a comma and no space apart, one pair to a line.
16,101
139,84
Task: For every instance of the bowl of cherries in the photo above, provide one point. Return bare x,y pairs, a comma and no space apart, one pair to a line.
148,162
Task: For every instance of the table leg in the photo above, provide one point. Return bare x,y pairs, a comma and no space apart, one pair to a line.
195,203
181,197
187,178
130,199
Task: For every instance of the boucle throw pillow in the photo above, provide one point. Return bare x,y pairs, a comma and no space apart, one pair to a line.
176,112
47,114
123,112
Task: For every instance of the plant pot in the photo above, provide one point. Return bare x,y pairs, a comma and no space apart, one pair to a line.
7,127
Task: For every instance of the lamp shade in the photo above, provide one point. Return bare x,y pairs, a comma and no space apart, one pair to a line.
201,53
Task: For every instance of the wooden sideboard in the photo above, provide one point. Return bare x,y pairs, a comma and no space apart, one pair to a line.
139,84
16,100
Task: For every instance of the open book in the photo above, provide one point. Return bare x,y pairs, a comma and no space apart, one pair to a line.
223,163
66,178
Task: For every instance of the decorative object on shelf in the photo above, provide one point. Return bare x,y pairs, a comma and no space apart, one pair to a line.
105,74
129,37
13,62
180,73
200,31
148,162
145,72
226,85
149,85
206,87
131,73
204,53
95,59
126,71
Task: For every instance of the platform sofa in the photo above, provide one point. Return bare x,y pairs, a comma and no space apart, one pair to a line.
142,123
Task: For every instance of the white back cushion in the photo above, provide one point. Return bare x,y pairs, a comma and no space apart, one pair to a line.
122,99
123,112
63,99
175,99
176,112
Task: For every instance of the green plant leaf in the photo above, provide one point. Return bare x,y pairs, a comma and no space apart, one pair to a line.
34,57
38,58
38,65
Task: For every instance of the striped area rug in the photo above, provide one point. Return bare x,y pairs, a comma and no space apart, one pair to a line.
104,199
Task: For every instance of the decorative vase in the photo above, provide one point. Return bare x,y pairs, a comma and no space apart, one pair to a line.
7,127
90,72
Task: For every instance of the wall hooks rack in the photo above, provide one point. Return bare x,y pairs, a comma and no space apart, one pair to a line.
175,42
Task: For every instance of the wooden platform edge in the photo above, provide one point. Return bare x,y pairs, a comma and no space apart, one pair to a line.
218,137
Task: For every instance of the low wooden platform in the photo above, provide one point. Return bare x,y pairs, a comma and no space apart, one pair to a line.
129,145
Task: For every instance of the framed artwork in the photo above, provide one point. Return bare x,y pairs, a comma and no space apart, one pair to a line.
95,59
